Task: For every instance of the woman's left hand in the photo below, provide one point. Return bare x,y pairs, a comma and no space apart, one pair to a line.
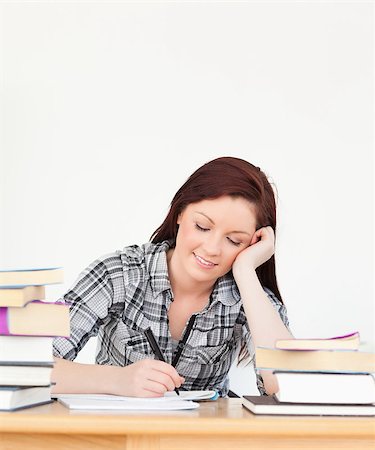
260,250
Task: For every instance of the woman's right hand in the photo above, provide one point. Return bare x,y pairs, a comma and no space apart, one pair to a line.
146,378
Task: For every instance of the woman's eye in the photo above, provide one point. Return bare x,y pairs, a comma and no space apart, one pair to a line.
201,228
237,244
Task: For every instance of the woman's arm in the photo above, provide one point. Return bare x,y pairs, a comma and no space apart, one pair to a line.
264,321
146,378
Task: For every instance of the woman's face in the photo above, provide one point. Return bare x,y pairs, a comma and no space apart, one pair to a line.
211,234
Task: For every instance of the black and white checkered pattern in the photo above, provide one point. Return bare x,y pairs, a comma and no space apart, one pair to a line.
121,294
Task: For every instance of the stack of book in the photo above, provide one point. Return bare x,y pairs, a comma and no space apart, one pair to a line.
317,377
28,325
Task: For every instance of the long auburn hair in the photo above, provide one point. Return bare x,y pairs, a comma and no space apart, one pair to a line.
227,176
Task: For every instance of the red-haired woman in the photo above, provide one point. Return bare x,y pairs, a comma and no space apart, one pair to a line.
205,285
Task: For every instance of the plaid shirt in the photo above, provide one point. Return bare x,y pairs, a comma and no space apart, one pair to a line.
118,296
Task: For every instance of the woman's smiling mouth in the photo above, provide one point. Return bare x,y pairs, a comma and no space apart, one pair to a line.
203,262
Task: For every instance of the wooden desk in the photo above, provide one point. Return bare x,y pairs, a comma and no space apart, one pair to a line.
219,425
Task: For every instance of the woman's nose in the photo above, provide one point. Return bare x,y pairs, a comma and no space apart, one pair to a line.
212,245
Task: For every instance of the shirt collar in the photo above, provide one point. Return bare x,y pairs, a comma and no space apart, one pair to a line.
157,268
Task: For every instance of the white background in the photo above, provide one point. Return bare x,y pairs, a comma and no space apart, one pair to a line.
107,107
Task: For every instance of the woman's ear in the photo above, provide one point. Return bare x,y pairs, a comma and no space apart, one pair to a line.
179,218
180,215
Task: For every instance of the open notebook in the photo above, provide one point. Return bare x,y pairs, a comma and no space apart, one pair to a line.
170,402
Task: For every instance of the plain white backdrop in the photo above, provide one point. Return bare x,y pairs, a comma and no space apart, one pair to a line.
107,108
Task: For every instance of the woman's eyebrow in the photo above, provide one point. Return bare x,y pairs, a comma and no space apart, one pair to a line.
213,223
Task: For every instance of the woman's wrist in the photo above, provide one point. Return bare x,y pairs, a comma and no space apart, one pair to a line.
71,377
244,275
111,379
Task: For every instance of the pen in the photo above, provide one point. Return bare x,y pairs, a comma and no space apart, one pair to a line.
156,349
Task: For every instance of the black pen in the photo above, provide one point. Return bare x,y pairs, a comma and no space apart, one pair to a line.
156,349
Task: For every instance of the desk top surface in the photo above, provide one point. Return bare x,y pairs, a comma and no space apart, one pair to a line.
221,417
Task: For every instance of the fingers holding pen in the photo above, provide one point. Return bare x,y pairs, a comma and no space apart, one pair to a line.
148,378
169,371
159,383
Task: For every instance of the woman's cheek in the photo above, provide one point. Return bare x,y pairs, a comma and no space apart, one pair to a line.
233,258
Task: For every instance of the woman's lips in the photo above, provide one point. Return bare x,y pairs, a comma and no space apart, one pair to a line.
204,263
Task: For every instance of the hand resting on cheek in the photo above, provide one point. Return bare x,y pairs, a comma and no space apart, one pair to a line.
260,250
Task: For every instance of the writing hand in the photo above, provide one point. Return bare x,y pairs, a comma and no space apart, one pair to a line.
147,378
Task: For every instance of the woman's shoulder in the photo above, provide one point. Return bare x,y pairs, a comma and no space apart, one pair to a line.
141,254
140,262
131,259
132,254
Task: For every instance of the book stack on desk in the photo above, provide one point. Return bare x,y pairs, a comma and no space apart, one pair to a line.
28,325
318,377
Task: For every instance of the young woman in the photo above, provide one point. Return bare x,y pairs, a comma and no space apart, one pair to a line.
205,284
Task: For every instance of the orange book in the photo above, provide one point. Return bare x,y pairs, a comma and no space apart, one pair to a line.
346,342
344,361
30,277
36,318
19,296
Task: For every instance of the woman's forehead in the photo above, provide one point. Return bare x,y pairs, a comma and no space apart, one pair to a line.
225,209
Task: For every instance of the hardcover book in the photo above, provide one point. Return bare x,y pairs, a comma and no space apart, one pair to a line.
26,350
346,342
345,361
19,296
21,375
269,405
36,319
315,387
31,277
16,397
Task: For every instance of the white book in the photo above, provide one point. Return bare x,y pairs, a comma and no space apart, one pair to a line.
335,388
16,397
26,349
25,375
